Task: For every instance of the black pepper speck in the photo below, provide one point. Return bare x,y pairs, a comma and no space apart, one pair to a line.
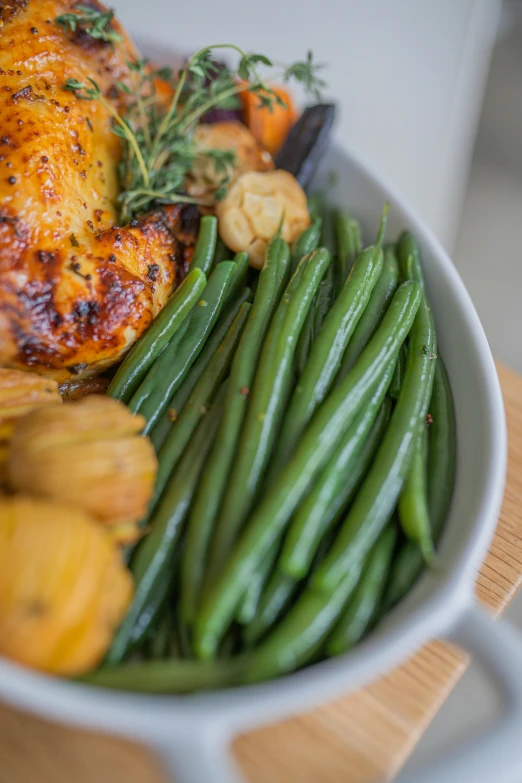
152,271
12,180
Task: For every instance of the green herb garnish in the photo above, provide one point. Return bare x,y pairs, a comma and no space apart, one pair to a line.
95,23
159,150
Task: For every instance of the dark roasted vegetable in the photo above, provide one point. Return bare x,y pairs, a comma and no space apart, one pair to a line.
307,142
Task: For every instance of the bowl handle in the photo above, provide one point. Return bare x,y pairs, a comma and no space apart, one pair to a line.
496,752
201,758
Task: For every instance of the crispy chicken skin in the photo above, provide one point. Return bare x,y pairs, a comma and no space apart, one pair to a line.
75,289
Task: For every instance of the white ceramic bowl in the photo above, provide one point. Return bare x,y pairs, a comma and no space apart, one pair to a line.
192,731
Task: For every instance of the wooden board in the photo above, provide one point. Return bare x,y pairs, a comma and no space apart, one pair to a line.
357,739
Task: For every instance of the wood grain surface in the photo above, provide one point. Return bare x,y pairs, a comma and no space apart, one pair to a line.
357,739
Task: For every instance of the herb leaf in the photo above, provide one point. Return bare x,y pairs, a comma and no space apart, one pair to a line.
81,90
307,72
95,23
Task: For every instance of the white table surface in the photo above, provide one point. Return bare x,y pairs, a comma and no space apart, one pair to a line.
408,75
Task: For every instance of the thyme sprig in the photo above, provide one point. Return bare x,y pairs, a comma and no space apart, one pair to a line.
92,21
159,149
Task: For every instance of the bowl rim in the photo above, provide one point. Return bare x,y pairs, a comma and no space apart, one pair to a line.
226,710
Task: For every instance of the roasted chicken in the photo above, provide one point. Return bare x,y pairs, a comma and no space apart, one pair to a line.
76,289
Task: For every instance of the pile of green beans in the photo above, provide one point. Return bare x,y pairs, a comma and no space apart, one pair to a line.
267,403
305,435
213,484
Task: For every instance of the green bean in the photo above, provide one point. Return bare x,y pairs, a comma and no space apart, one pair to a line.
159,645
364,604
398,374
195,408
304,344
383,484
141,631
336,485
168,373
317,313
239,277
321,509
323,301
178,676
371,318
183,636
328,349
300,636
270,390
306,242
162,427
315,205
217,471
319,442
206,244
152,343
229,645
277,596
409,563
409,258
349,243
442,450
274,601
413,501
178,401
222,253
152,561
252,596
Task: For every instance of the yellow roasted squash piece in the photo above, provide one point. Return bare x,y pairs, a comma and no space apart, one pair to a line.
20,392
63,586
88,453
